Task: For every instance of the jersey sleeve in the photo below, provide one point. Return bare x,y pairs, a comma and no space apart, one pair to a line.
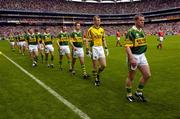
129,39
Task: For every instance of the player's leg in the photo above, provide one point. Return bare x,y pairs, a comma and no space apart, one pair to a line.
22,47
31,54
128,84
95,58
120,42
19,46
85,75
12,45
102,60
41,51
74,57
117,42
145,70
68,55
60,61
46,57
95,77
35,51
52,56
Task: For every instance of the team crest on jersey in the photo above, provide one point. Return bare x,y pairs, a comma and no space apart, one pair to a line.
137,35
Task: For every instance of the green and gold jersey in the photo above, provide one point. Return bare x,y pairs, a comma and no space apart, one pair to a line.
11,38
21,38
77,38
47,39
32,39
39,37
96,35
136,40
63,38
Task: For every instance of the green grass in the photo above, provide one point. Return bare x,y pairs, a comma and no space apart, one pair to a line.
22,98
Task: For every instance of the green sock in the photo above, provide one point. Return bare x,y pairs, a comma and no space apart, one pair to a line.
129,91
83,69
100,70
42,57
140,88
94,75
52,58
70,66
60,62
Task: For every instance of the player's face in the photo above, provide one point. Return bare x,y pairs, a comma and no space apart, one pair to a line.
97,21
47,30
78,26
64,29
22,32
31,31
140,22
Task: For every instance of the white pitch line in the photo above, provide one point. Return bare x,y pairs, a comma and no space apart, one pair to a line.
51,91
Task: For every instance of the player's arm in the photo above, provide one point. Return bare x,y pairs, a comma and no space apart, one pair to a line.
131,59
105,44
88,38
58,36
71,41
43,41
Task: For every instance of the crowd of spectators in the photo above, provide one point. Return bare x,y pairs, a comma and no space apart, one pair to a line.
172,27
90,8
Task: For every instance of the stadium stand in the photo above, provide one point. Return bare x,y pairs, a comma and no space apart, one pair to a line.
22,14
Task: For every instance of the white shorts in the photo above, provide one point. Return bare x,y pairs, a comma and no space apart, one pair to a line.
161,39
33,48
78,53
118,38
64,50
49,48
12,43
41,46
22,43
97,52
141,60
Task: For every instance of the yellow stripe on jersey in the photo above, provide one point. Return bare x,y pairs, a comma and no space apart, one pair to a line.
140,42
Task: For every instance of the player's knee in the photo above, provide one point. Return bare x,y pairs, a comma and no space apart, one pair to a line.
103,66
147,76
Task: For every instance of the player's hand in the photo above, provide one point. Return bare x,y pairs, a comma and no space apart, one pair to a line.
133,63
88,52
107,52
74,48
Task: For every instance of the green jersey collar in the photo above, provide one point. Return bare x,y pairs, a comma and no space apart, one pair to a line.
135,28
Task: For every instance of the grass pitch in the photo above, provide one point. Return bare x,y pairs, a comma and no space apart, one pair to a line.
22,98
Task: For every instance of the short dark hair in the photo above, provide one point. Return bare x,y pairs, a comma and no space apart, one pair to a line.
77,23
136,17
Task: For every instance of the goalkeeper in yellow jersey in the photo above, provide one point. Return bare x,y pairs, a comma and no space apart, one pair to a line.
96,37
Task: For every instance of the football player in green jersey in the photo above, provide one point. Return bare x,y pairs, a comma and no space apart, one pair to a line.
11,40
33,46
21,42
77,48
40,45
63,47
47,40
135,48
